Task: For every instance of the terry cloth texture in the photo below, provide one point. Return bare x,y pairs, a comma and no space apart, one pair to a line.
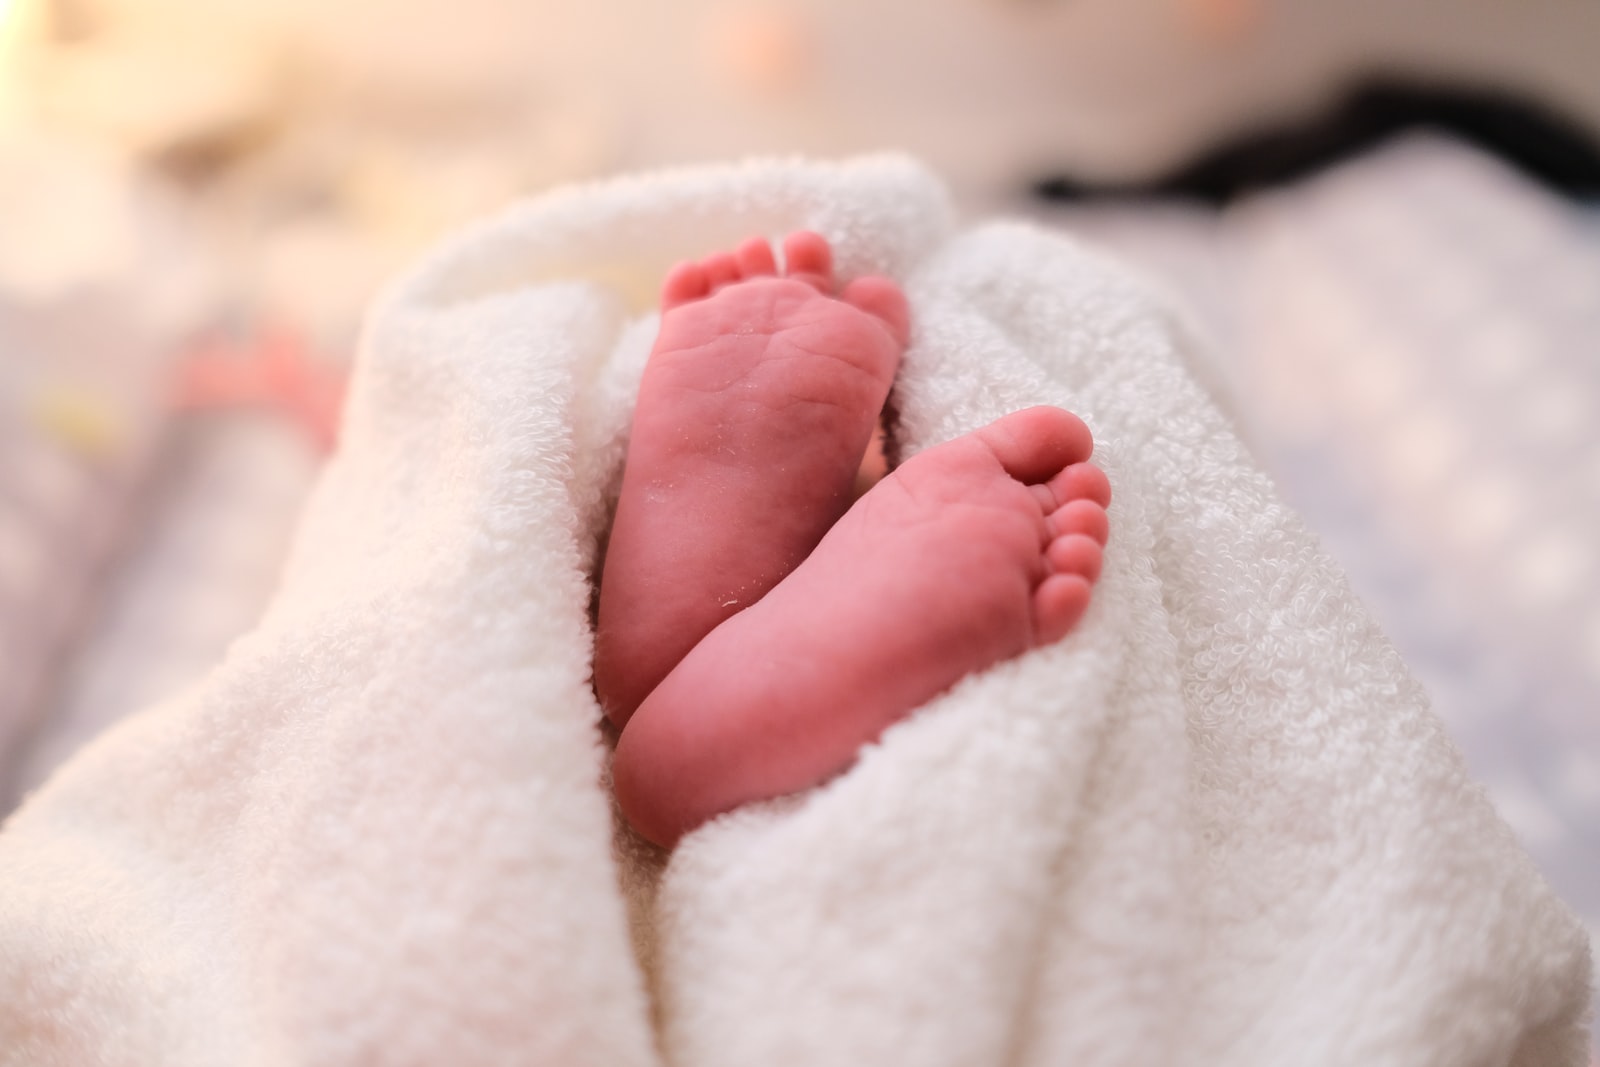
1216,825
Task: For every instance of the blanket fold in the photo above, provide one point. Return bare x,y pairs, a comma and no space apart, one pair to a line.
1216,825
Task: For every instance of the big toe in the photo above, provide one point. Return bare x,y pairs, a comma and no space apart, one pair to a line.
882,299
1035,444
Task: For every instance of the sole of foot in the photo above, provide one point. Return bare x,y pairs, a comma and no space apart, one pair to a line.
969,554
759,399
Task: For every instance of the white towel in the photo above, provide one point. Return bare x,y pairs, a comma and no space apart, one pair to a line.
1216,825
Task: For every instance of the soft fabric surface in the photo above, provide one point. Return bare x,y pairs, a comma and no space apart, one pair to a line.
1217,825
1413,340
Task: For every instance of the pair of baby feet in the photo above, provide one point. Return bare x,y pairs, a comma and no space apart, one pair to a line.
758,624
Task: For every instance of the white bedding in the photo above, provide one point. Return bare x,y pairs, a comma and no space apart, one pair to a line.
1413,339
1216,825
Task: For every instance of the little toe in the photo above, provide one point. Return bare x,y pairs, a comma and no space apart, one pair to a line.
882,299
755,258
808,257
1058,604
684,283
1075,554
721,269
1036,443
1082,516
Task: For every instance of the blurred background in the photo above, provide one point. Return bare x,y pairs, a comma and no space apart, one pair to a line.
1383,215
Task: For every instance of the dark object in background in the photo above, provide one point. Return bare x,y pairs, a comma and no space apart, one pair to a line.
1544,144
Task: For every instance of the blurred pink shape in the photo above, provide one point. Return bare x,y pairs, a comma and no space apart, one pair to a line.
272,370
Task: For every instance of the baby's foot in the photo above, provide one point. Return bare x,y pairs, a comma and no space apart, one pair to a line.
969,554
756,407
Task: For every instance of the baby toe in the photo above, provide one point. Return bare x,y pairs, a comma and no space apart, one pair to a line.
1035,443
1058,604
721,269
684,283
1081,481
1075,554
755,258
808,257
1082,516
882,299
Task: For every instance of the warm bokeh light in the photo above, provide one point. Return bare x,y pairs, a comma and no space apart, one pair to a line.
10,19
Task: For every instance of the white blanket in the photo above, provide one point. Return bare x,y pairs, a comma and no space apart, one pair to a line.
1216,825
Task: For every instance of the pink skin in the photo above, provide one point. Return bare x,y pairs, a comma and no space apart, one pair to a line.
969,554
758,402
753,634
